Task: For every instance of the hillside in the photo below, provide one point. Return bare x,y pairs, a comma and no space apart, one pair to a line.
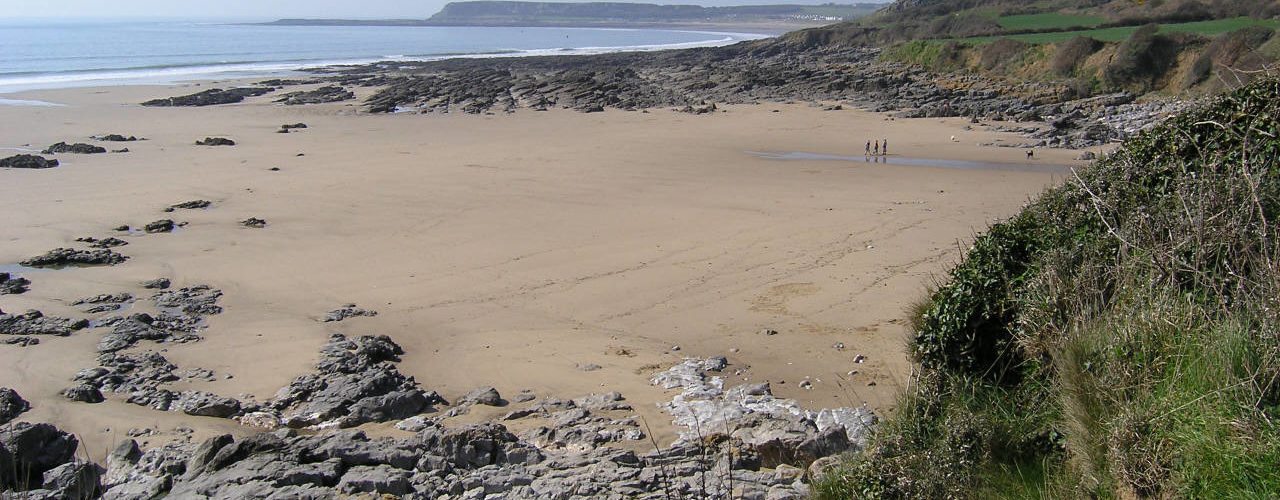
516,13
1115,339
1094,46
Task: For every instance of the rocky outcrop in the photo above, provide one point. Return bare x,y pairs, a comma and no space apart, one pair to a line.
32,457
114,138
181,317
10,284
347,311
254,222
160,226
211,97
189,205
108,242
328,93
77,148
36,323
28,161
11,405
215,141
104,302
355,382
63,257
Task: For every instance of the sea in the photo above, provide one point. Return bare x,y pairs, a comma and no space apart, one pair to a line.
58,54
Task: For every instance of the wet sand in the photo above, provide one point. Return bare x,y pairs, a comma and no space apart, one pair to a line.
501,250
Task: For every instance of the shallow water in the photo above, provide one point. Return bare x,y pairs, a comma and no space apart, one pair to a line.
1031,166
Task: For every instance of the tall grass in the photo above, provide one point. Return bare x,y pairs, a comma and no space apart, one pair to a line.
1119,338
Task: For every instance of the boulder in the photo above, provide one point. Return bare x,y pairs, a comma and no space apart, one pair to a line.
77,148
215,141
27,161
34,449
63,257
84,393
160,226
487,396
11,405
114,138
10,284
206,404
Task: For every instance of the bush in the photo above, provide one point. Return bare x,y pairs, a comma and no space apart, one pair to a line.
1140,59
1118,338
1229,50
1001,52
1071,53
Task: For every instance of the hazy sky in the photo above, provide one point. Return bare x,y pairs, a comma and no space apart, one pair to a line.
268,9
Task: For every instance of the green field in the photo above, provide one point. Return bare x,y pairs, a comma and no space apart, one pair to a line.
1208,28
1047,21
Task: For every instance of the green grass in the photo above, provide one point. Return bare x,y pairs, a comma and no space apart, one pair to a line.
1046,21
1118,338
1207,28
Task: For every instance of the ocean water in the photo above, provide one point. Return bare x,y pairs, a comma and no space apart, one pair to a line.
35,55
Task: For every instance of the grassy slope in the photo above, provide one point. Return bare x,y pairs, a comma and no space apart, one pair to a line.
1118,338
1118,34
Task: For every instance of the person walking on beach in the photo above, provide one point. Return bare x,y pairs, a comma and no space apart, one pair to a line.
877,148
884,150
868,150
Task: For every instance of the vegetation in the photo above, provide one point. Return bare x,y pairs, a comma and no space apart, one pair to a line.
1117,34
1048,20
1118,338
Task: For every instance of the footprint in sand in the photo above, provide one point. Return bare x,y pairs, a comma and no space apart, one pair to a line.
775,300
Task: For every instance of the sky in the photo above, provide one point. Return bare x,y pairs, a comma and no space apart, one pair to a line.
271,9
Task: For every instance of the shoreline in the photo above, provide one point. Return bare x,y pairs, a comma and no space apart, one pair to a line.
281,69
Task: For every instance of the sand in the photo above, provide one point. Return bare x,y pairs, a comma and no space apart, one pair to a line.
507,250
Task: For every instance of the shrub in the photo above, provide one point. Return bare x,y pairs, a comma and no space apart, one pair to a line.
1118,338
1000,52
1140,59
1071,53
1229,50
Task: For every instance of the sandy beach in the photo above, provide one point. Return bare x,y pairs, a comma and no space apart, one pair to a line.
559,252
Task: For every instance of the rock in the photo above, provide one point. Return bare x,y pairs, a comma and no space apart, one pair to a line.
381,479
347,311
121,150
355,382
74,480
36,323
1087,156
27,161
190,205
157,284
109,242
32,450
114,138
20,341
589,367
63,257
206,404
254,222
11,405
487,396
77,148
768,332
524,397
84,393
328,93
211,97
10,284
160,226
293,126
215,141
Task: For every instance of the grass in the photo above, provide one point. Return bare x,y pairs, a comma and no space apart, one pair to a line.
1046,21
1119,338
1207,28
